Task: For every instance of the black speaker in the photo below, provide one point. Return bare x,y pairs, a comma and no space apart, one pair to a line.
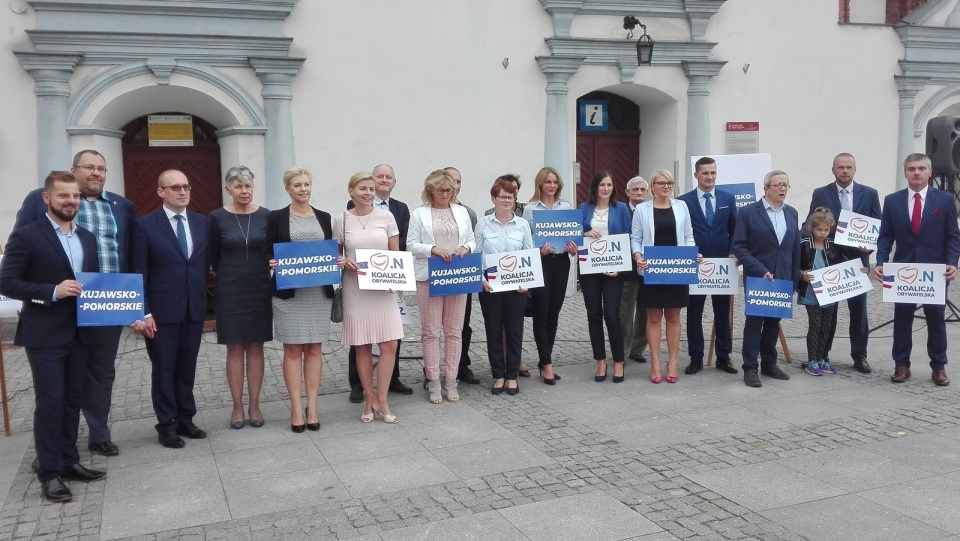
943,144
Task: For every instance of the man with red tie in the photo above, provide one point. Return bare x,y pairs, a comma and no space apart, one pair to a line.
922,221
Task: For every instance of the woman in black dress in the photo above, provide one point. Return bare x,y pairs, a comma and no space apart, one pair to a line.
662,221
244,317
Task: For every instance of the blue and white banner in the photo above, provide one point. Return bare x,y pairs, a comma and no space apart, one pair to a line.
510,271
857,230
766,298
914,283
717,276
557,227
609,253
109,299
310,263
670,265
382,270
839,282
459,277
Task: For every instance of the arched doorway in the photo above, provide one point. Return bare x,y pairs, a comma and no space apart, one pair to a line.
142,165
615,148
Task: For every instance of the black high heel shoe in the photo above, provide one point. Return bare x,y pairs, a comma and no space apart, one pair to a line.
618,379
551,381
512,391
311,426
297,428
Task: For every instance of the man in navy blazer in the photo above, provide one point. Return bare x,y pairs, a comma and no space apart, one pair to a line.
112,219
713,214
933,237
767,243
844,193
171,253
40,268
386,180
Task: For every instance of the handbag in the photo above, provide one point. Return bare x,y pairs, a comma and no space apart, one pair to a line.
336,310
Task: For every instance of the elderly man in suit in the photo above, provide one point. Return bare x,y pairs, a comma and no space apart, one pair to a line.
40,268
922,222
464,372
386,181
111,218
171,253
845,194
633,315
713,214
767,242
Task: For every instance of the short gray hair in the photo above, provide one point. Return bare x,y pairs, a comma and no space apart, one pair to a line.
918,157
634,181
771,174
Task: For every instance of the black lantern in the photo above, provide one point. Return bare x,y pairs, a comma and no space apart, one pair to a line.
644,44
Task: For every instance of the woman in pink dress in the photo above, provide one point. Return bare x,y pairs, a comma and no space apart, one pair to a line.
369,317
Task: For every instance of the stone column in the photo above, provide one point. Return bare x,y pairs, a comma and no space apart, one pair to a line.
51,74
556,140
907,88
698,113
276,75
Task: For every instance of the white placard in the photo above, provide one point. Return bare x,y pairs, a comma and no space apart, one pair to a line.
381,270
717,276
914,283
8,306
857,230
839,282
510,271
609,253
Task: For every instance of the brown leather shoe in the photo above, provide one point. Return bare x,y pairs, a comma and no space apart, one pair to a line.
940,378
900,374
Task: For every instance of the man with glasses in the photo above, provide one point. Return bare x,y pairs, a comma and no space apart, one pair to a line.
171,253
464,373
633,315
386,181
110,218
713,214
767,242
845,194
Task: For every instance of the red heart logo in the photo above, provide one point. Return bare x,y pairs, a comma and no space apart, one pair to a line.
831,276
859,224
908,275
707,269
598,246
379,261
508,262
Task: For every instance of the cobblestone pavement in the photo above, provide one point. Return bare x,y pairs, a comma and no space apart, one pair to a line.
848,456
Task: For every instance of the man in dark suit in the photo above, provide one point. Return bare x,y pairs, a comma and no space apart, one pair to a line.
713,214
633,315
39,268
464,373
111,218
386,180
922,221
171,253
845,194
767,243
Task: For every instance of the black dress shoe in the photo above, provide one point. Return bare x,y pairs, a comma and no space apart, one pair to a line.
55,491
78,472
169,438
751,379
773,371
467,376
191,431
397,387
513,391
638,358
695,366
356,394
861,365
726,366
105,448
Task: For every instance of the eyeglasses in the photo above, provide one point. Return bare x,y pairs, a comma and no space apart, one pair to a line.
664,184
91,168
444,191
781,186
506,198
177,188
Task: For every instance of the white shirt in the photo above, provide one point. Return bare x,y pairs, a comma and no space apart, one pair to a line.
186,227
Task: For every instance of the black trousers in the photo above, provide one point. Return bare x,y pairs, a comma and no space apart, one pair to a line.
354,376
173,355
859,326
102,345
547,303
721,316
760,340
503,321
466,335
601,295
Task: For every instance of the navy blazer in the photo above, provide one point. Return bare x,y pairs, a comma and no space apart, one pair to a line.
618,220
124,214
33,265
755,243
401,213
939,239
713,240
866,201
175,288
278,230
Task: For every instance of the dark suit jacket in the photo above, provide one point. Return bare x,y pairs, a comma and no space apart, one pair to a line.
713,240
402,216
175,288
124,214
278,230
939,239
755,243
866,201
33,265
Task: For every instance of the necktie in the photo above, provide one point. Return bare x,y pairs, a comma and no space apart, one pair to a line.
845,199
383,205
182,236
915,219
708,203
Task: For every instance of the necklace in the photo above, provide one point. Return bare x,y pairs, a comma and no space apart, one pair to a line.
246,236
601,213
362,223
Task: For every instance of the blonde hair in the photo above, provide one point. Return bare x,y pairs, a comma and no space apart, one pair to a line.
357,178
434,181
295,171
541,178
660,173
821,217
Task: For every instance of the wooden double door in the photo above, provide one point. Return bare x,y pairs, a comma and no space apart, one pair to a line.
615,151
